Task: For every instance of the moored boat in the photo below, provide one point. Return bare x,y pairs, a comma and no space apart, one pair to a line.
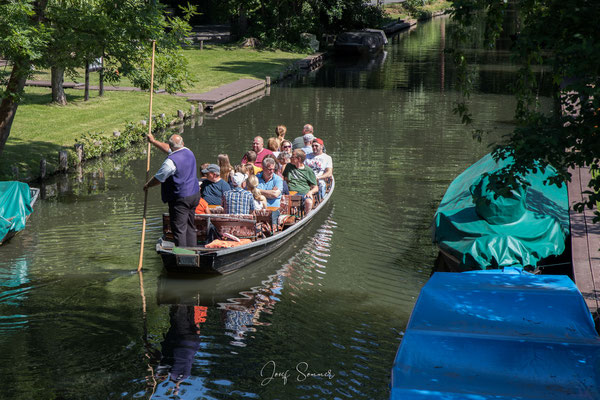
16,205
255,241
498,335
365,42
475,229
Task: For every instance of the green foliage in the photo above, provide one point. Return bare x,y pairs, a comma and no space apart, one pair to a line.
98,144
559,34
279,24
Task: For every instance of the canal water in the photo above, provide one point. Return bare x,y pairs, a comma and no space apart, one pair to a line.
320,319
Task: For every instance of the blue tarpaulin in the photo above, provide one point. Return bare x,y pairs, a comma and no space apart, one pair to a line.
494,335
482,231
15,199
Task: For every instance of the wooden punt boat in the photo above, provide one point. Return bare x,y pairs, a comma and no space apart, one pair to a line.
16,205
204,260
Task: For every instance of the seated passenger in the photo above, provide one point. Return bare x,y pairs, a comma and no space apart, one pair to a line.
299,141
260,201
308,138
238,200
250,156
225,166
321,163
269,183
259,149
213,187
301,179
202,207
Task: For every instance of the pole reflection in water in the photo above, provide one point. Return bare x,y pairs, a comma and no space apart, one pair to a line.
183,365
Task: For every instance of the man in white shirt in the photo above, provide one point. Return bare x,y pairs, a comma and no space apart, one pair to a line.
321,163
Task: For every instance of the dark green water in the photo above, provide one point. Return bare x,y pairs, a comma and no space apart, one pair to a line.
334,302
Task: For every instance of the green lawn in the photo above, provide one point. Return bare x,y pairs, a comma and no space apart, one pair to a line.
41,129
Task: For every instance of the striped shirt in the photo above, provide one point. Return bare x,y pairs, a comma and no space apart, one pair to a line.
238,201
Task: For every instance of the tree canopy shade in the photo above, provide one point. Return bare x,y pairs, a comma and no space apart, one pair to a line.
560,34
280,22
68,34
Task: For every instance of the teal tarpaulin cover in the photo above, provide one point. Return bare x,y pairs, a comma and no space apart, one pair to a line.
15,199
483,232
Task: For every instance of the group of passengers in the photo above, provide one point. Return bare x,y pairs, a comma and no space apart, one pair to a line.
267,173
257,183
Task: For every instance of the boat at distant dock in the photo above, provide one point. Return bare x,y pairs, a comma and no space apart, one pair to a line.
362,43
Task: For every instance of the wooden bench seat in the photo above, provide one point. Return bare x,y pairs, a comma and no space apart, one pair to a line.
241,226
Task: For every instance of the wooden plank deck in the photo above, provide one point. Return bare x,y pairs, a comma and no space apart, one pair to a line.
227,93
585,243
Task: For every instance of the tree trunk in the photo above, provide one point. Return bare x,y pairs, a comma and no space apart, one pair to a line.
8,107
58,91
101,83
86,92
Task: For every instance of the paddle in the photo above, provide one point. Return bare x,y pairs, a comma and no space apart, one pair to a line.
147,159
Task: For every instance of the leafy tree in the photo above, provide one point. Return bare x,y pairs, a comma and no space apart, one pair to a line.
66,34
23,39
279,23
559,34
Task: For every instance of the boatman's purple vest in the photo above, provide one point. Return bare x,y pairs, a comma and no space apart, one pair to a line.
184,182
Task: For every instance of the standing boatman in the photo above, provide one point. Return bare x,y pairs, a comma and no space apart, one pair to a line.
179,188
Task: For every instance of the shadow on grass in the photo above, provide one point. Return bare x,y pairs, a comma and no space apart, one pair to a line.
257,69
26,155
30,98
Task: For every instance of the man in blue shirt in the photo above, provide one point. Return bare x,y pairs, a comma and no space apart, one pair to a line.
179,188
213,186
270,186
238,200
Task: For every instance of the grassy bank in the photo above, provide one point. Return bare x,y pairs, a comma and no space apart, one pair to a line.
41,129
406,10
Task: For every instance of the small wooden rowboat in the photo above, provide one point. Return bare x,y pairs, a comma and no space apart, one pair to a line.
205,260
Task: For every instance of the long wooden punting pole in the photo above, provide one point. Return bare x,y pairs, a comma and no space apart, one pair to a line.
147,160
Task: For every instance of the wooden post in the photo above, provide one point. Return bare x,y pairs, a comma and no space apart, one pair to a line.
79,152
141,260
180,114
43,169
201,44
63,164
192,109
268,80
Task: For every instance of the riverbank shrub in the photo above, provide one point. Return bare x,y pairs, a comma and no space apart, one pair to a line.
98,144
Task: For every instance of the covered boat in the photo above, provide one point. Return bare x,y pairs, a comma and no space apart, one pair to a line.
498,335
16,204
365,42
474,229
255,241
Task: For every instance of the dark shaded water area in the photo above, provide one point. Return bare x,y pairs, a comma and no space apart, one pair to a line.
330,308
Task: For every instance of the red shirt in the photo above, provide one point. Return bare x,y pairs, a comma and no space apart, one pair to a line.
259,157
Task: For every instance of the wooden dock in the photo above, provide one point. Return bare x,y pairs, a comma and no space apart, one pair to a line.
585,243
226,94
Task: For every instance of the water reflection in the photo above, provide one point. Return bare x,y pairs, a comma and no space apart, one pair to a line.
238,313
